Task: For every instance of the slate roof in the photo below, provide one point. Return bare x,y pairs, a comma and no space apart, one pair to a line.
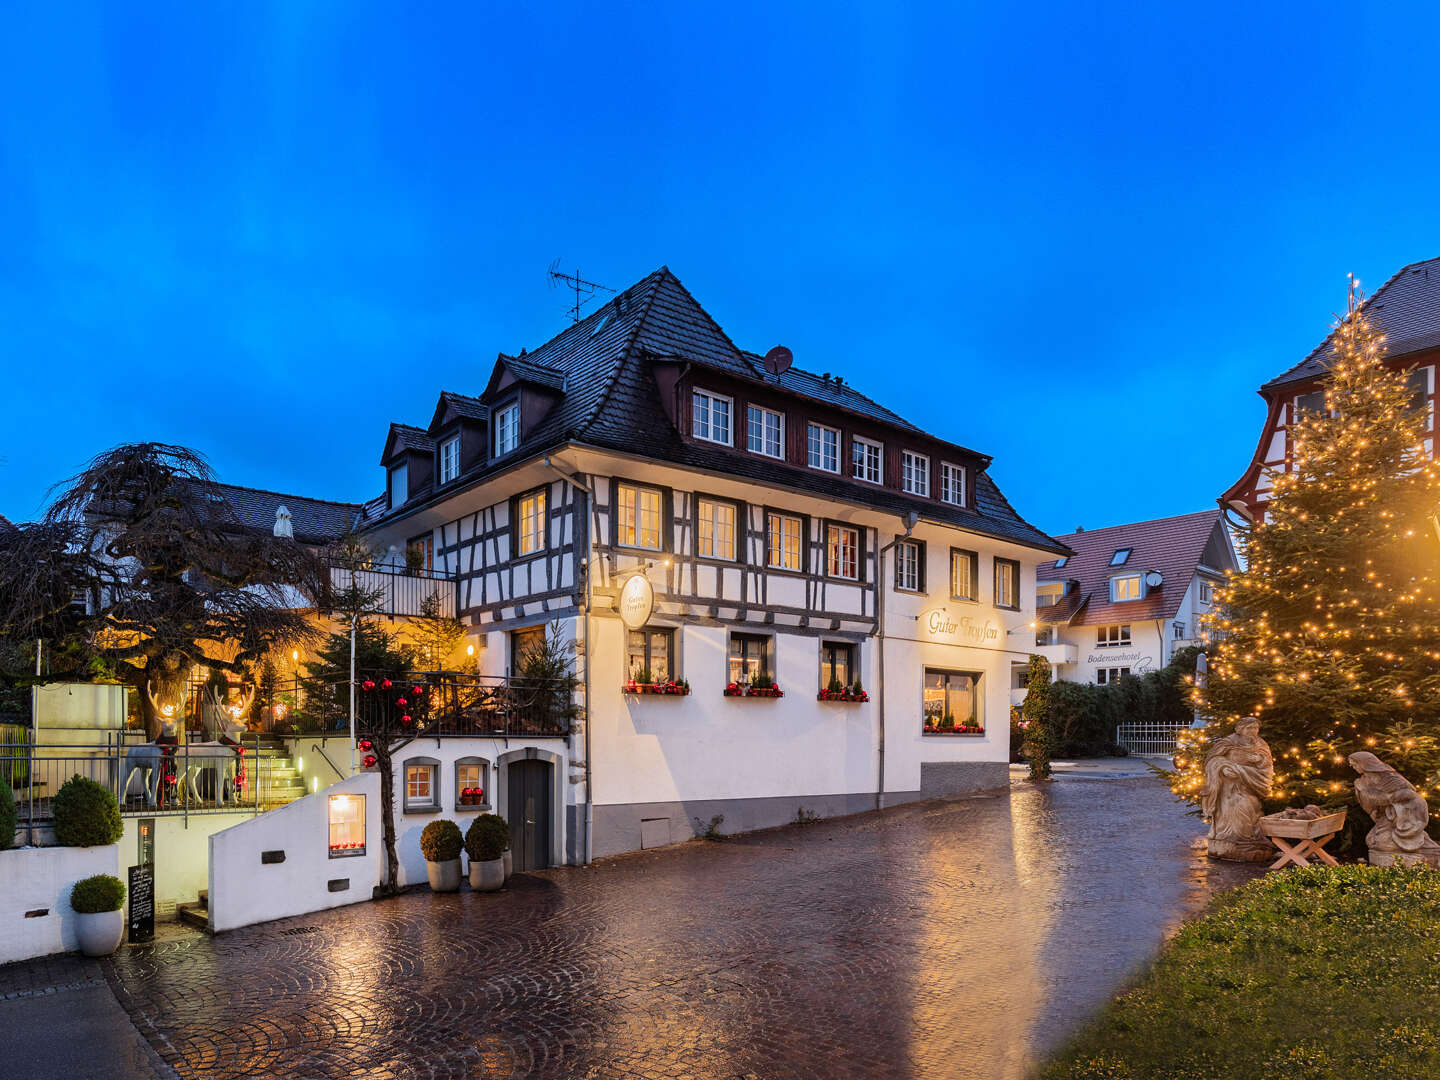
527,370
462,405
314,521
1174,546
1406,308
406,437
612,400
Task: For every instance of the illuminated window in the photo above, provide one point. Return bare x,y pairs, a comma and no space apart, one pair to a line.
842,551
749,657
1007,583
964,574
420,552
783,541
421,789
951,702
837,664
347,825
1126,587
711,417
952,483
638,516
523,643
530,522
472,784
867,460
507,429
1110,675
824,448
715,529
449,459
648,651
765,431
1048,595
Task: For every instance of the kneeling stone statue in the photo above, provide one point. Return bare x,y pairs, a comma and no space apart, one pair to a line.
1238,775
1399,812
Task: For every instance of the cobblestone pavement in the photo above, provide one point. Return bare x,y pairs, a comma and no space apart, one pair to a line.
948,940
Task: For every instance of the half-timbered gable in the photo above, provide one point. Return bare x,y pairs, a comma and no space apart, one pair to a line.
1407,310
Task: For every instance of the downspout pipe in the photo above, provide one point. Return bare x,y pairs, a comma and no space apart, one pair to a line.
581,485
910,521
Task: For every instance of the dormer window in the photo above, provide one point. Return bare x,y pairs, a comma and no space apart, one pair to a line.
1121,554
868,460
399,485
914,473
1048,595
1126,587
765,431
507,429
711,417
824,448
449,459
952,484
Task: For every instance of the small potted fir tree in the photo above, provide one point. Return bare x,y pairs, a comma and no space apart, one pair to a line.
486,843
440,844
99,922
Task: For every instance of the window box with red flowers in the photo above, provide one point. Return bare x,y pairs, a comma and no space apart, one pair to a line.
838,691
947,725
664,688
758,686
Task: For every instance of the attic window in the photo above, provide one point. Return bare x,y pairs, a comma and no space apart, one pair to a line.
602,323
1120,556
507,429
399,485
1061,561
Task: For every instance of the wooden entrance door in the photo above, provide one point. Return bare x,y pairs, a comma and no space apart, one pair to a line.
530,785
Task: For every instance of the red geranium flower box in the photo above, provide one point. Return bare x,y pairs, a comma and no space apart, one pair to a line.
669,688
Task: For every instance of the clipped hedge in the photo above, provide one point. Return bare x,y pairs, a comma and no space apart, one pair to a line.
1083,716
487,838
440,841
86,814
8,817
97,894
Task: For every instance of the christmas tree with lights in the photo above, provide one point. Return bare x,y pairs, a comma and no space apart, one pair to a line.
1331,633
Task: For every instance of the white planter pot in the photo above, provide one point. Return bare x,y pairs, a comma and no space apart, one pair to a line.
487,876
509,864
99,932
444,876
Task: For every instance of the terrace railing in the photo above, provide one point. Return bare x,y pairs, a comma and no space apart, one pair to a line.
401,593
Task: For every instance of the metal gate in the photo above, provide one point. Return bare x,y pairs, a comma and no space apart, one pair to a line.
1149,740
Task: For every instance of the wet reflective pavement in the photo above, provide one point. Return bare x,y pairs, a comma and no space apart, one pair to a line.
951,940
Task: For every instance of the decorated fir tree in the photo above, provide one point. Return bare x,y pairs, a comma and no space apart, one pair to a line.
1331,634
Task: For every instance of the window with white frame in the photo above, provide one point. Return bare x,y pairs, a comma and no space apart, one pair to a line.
422,791
399,485
824,448
1048,595
472,783
1206,592
914,473
910,565
711,416
1112,637
784,539
715,529
952,483
764,431
1110,675
1007,583
530,522
964,574
1179,629
1418,384
868,460
842,551
450,459
1126,587
507,429
638,516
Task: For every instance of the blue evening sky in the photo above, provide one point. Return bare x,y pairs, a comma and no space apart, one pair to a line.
1074,236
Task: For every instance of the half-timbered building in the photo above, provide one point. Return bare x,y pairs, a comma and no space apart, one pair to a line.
784,599
1407,310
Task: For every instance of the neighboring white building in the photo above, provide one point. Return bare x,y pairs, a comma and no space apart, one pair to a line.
1128,596
788,526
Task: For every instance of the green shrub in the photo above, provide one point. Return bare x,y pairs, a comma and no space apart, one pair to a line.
97,894
487,838
7,815
86,814
440,842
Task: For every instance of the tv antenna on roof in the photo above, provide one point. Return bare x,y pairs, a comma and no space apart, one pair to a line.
584,290
778,360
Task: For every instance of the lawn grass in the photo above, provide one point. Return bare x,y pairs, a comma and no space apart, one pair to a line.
1308,974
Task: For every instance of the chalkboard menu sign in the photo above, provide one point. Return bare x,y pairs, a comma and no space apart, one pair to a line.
142,903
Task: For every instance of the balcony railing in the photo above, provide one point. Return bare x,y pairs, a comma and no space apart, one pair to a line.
450,703
401,593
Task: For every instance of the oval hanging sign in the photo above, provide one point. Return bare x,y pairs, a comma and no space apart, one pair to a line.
637,602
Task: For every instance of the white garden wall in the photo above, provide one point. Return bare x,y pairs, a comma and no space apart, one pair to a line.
182,854
278,864
39,880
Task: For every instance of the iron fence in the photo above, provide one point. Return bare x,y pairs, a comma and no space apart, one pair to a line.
1148,740
146,778
401,592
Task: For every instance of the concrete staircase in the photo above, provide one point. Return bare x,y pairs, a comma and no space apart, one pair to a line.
198,913
280,782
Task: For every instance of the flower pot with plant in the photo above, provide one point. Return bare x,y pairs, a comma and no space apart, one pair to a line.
99,920
440,844
486,842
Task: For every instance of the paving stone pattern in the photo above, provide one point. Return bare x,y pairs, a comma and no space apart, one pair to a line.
948,940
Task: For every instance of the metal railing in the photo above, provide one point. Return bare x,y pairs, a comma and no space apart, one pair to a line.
1148,740
146,778
400,592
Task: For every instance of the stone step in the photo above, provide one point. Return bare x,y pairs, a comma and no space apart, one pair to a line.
197,914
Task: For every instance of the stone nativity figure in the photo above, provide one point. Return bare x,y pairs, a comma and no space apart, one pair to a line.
1399,812
1238,775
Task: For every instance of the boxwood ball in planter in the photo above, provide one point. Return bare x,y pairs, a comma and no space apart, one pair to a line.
440,844
86,814
99,922
486,842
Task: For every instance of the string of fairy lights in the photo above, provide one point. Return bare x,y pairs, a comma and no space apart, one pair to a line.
1331,633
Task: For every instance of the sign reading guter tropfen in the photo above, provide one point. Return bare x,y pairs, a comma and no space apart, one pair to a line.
637,602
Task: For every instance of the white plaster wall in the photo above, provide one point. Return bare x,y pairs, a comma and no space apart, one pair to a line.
320,770
243,890
36,878
182,854
1147,650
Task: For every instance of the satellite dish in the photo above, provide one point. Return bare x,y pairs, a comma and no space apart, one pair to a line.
778,360
1154,579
